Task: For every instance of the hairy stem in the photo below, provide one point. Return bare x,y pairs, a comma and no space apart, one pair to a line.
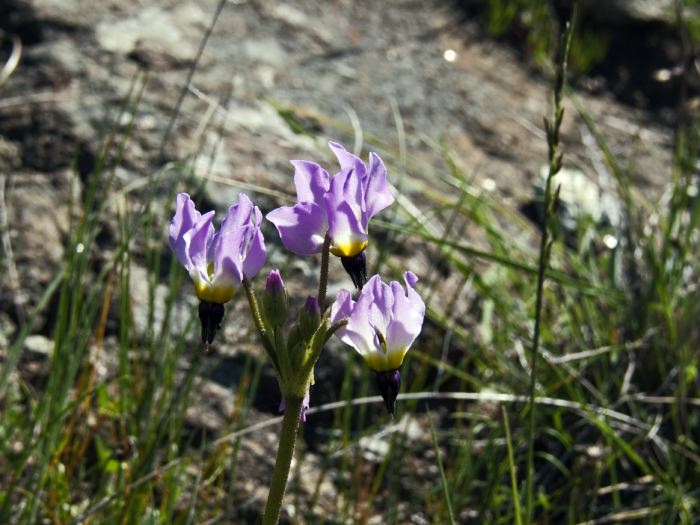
260,324
285,452
323,278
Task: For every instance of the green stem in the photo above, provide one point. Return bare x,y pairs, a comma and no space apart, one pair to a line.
323,278
260,324
315,346
285,452
555,160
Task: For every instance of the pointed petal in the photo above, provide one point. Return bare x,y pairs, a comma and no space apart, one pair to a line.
381,304
342,306
186,216
407,315
360,333
311,181
238,215
197,241
345,187
377,194
227,256
301,227
341,309
347,160
255,256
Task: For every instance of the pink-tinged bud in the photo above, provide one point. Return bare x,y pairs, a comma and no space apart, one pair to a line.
274,299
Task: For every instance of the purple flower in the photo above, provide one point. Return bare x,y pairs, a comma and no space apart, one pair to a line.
382,323
217,261
341,205
382,326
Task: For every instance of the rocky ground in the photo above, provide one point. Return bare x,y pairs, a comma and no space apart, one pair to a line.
340,67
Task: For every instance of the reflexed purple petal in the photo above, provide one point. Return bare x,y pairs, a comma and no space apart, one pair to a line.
410,279
227,254
258,218
377,195
311,181
347,160
382,304
342,306
345,187
301,227
408,313
359,332
238,215
341,309
347,234
255,257
186,216
197,241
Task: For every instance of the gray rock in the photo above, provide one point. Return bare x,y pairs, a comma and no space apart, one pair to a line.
581,198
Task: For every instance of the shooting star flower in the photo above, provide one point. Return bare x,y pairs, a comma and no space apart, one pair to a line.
382,325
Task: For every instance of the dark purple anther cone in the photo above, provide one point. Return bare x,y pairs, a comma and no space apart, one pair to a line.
388,384
210,315
356,266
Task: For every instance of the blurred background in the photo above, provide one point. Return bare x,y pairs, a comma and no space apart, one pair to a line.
111,413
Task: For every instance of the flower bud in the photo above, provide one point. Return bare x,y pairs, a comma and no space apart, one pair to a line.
309,318
274,299
388,384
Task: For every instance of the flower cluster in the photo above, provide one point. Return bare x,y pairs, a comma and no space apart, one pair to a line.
331,215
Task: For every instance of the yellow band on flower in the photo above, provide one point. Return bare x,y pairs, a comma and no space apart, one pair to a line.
384,363
214,294
348,249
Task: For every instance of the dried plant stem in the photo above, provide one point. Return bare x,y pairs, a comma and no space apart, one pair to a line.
285,452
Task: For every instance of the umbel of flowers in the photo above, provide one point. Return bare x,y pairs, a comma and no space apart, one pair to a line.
331,216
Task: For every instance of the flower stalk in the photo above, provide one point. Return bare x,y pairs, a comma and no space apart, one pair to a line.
550,197
331,216
323,276
283,462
